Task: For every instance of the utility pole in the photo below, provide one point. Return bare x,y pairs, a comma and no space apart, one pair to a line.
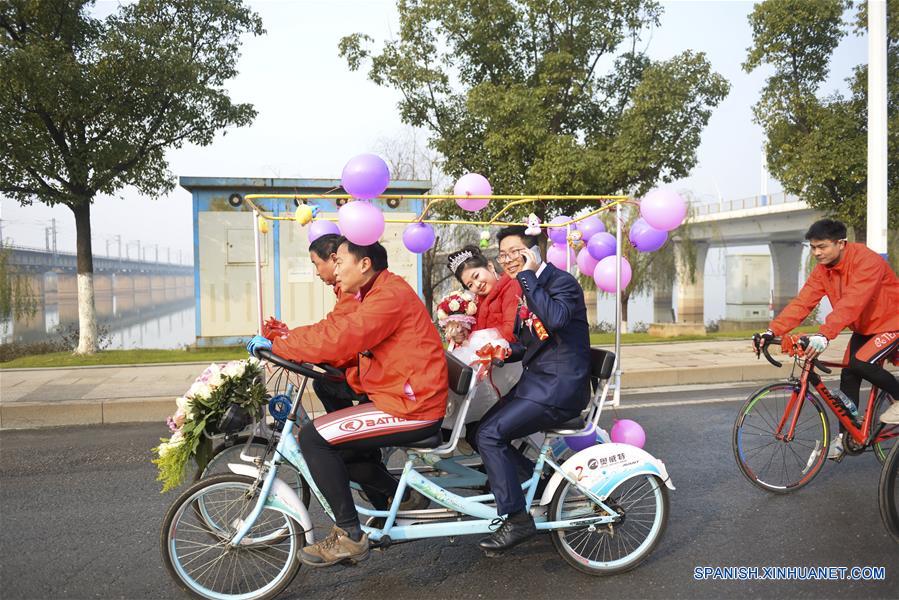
53,221
47,238
877,127
119,240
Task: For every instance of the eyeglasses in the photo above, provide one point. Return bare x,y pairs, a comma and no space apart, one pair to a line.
511,255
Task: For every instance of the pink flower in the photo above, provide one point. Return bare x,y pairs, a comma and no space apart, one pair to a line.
171,424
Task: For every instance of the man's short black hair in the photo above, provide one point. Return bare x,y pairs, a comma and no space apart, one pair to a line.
375,252
826,229
325,245
519,230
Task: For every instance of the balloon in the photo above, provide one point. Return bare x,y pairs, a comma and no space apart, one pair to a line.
604,275
263,225
418,237
555,254
365,176
645,237
303,214
626,431
590,226
583,440
472,184
601,245
361,222
320,228
558,234
663,209
586,263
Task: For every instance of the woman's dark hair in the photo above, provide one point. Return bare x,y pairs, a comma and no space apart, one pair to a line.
826,229
325,245
519,230
374,252
474,260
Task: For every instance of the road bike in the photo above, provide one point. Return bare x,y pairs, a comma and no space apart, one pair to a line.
605,508
781,436
888,493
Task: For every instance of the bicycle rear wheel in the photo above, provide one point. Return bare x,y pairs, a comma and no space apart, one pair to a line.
882,449
774,464
642,504
199,558
888,493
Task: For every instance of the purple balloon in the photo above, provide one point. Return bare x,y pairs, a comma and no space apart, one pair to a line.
590,227
558,235
582,441
320,228
645,237
586,263
472,184
419,237
663,209
601,245
361,222
365,176
555,254
626,431
604,275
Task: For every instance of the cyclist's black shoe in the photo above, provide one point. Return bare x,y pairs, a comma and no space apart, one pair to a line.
515,529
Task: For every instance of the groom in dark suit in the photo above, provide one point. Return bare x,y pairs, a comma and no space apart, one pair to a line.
554,348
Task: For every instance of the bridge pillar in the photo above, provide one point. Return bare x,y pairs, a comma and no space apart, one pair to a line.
67,285
661,302
690,294
787,260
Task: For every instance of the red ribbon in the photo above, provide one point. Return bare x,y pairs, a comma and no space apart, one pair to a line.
484,362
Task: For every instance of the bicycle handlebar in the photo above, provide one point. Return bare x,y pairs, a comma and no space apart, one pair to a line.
313,370
763,348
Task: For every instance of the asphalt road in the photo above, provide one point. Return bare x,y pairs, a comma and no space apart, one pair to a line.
80,515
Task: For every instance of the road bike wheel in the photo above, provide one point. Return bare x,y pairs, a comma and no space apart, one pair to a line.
199,558
642,502
772,464
882,449
222,455
888,493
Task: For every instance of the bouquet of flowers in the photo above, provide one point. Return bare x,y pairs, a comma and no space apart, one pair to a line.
456,312
239,382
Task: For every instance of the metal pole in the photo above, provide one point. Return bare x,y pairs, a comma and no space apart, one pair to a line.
54,235
567,248
258,266
616,397
877,127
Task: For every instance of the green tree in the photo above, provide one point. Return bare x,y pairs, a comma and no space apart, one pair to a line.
817,146
91,105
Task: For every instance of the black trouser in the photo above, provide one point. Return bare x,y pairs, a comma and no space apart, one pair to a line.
851,378
335,395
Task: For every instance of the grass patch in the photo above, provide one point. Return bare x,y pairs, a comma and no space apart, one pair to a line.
608,339
125,357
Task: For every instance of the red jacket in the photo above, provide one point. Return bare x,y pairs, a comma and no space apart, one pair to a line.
862,289
499,308
392,324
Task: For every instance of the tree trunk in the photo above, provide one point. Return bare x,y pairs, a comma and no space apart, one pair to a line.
625,297
427,280
861,233
87,314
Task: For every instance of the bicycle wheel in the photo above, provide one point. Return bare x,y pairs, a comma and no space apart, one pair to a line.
772,464
199,558
223,455
888,493
882,449
642,503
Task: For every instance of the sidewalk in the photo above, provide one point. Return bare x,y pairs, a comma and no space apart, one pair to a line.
116,394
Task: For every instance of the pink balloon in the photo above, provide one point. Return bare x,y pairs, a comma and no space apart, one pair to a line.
559,235
604,275
630,432
365,176
663,209
601,245
590,227
555,254
645,237
586,263
320,228
361,222
419,237
472,184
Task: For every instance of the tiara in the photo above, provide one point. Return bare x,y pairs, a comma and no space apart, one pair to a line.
456,261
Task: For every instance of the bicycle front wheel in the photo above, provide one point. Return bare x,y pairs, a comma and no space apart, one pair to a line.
641,502
888,493
769,461
882,449
199,557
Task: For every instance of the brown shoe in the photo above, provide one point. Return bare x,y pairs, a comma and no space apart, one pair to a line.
337,547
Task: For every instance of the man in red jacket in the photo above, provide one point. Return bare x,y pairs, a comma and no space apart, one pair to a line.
396,360
864,294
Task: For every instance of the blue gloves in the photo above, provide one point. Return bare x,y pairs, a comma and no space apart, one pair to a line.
258,343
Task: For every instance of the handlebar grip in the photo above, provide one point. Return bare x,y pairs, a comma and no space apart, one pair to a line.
821,367
768,356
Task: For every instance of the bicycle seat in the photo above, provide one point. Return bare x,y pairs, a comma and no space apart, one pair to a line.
569,427
427,443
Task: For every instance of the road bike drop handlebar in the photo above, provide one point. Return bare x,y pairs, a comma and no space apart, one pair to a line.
312,370
762,348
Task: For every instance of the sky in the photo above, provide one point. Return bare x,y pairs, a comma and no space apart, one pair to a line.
315,114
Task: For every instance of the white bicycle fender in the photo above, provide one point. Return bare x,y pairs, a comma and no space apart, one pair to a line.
602,467
281,498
